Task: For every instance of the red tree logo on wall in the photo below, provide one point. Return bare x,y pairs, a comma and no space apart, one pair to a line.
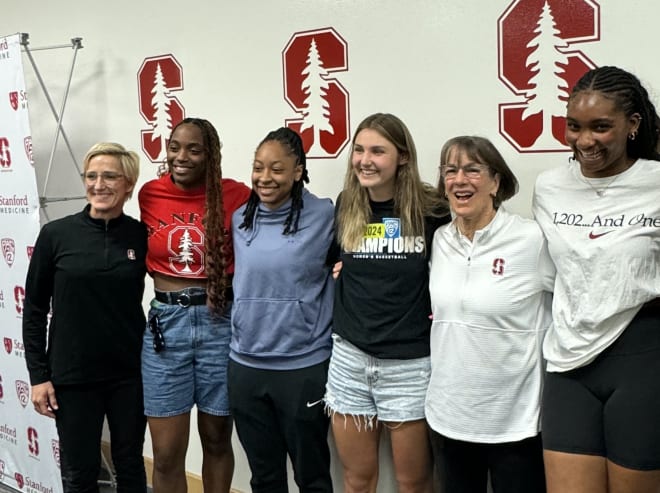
158,77
321,102
539,64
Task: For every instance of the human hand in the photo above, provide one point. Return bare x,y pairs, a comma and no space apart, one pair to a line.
336,269
43,398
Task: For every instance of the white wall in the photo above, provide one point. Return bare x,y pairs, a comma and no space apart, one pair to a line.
434,63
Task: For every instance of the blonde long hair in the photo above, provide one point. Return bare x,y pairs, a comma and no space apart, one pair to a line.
413,199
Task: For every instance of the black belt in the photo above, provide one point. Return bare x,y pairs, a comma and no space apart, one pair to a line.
184,298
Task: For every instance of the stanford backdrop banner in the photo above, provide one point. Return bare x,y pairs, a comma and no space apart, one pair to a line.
29,447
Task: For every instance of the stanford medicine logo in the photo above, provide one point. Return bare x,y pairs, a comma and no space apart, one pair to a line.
158,78
320,101
540,63
17,100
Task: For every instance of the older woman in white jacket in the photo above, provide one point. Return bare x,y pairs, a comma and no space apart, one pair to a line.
490,281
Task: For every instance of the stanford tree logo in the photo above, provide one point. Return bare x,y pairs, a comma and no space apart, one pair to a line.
309,60
539,62
185,246
5,153
158,78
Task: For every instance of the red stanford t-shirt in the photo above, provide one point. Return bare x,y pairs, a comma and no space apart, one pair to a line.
174,223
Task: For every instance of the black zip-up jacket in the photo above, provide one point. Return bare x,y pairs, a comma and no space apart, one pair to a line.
93,272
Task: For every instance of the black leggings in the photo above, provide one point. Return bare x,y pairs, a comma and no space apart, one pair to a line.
514,467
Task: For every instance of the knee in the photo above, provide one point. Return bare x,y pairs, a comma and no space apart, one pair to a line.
80,480
215,436
420,484
360,483
217,446
167,461
279,485
130,469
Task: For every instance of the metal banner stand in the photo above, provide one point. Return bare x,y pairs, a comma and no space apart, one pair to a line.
76,44
44,199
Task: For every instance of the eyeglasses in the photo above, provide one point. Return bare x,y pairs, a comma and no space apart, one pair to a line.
106,176
159,339
471,171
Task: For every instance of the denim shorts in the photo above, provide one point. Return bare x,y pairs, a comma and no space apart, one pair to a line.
192,366
390,390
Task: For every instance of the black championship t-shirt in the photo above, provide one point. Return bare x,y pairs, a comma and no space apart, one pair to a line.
382,302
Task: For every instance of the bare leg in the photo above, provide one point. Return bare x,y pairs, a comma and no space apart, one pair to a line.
623,480
411,452
358,452
218,455
169,437
575,473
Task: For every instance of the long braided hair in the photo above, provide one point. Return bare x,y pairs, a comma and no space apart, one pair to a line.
627,92
291,141
216,237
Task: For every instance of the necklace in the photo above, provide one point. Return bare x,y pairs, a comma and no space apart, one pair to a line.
600,191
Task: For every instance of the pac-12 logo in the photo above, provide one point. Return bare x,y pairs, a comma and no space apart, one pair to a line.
8,250
23,392
158,78
539,63
55,447
320,101
27,144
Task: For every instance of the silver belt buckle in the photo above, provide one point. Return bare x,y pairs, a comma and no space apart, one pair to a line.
183,300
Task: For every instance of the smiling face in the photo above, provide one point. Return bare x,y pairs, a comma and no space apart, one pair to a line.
598,132
470,188
274,171
186,156
106,187
375,162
